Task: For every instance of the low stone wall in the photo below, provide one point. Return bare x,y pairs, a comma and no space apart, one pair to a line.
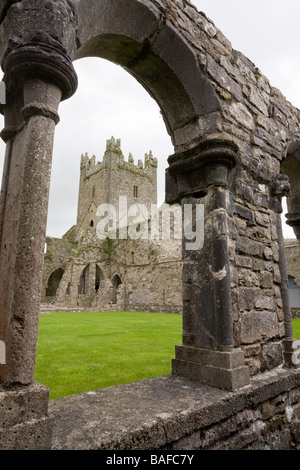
45,308
171,413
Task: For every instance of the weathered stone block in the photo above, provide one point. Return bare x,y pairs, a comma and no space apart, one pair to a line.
246,298
266,279
251,247
256,326
248,278
225,81
240,113
244,261
24,420
264,303
272,356
225,370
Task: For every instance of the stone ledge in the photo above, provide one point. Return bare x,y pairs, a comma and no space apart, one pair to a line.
155,413
20,404
24,420
31,435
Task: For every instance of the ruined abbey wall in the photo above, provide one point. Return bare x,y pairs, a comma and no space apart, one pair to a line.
148,265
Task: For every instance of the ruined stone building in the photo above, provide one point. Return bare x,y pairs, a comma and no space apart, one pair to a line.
84,271
139,272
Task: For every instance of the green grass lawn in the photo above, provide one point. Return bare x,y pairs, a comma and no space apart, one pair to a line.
296,328
79,352
83,351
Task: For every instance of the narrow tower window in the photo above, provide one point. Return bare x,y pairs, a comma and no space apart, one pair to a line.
135,191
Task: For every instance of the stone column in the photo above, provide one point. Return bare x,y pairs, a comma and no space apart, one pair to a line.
203,175
91,279
279,189
38,74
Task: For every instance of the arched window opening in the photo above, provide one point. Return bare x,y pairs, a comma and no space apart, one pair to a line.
123,101
53,282
83,281
98,277
116,282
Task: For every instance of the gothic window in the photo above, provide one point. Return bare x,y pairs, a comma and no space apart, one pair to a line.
53,282
98,278
116,281
83,281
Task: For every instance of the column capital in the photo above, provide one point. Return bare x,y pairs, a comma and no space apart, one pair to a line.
42,57
193,171
30,69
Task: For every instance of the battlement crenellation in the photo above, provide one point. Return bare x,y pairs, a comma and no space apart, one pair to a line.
114,157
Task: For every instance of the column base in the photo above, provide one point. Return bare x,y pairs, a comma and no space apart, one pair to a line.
222,369
24,420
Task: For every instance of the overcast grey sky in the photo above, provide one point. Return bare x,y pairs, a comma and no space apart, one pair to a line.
110,102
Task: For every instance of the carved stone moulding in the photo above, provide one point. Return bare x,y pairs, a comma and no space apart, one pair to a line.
42,58
193,171
293,220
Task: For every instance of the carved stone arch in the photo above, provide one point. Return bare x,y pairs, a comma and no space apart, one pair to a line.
116,281
290,166
137,36
100,275
54,281
83,280
104,275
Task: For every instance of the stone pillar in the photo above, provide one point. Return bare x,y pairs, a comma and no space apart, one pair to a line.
279,189
203,175
38,75
91,279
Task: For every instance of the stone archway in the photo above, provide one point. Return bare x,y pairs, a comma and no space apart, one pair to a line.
147,45
157,55
83,281
53,282
152,50
116,282
99,277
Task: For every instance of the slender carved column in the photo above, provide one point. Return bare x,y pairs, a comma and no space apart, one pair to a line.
37,75
202,177
281,188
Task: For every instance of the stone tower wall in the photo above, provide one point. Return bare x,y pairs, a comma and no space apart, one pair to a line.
104,182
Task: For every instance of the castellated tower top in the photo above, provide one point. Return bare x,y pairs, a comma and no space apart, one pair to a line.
105,181
114,156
